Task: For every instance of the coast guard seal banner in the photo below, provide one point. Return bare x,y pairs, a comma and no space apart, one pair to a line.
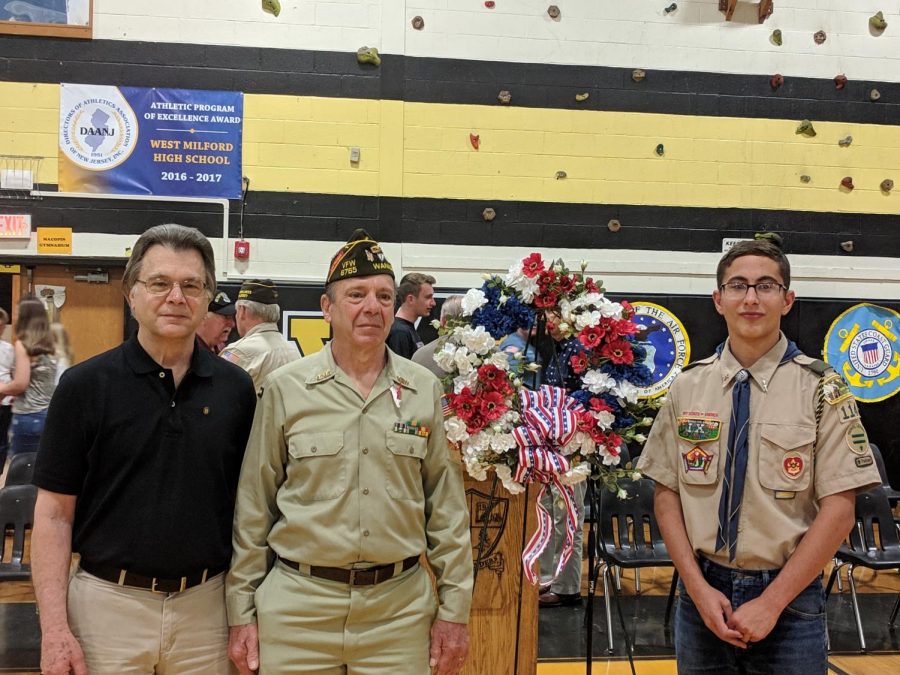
863,346
136,141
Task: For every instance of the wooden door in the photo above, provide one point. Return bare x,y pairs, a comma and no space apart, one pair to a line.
93,313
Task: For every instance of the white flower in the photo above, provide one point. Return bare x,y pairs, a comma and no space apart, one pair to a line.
604,419
640,438
479,340
501,442
473,299
636,475
462,381
576,474
444,357
621,494
515,278
463,360
456,429
608,308
478,443
597,382
475,468
505,474
500,360
565,310
624,389
436,324
585,319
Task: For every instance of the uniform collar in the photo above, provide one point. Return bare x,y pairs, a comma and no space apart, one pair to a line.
142,363
264,327
395,371
761,371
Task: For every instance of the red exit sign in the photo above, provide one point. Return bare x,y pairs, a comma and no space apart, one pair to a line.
15,226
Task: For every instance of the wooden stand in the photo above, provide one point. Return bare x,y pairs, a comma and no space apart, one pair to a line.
503,623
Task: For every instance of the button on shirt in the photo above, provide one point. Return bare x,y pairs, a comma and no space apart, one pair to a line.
329,480
261,350
154,467
792,463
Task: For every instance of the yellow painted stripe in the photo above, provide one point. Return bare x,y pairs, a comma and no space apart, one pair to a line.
302,144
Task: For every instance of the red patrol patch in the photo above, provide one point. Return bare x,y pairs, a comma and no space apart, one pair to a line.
792,465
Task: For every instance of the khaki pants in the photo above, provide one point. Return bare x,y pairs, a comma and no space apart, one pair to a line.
310,625
126,631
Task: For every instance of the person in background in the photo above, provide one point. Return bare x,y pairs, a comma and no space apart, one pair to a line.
7,359
520,344
64,354
416,293
424,356
35,375
216,326
262,348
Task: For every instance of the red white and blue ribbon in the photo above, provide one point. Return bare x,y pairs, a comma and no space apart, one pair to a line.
550,422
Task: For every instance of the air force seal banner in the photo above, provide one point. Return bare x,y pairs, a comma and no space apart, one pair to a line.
136,141
666,343
863,345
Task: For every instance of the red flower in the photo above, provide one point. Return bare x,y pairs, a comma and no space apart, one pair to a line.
621,327
579,363
492,405
585,421
599,405
546,279
546,300
629,310
613,444
464,404
566,283
618,351
493,378
532,265
590,336
590,286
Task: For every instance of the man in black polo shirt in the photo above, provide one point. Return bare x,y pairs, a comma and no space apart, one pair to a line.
137,472
416,293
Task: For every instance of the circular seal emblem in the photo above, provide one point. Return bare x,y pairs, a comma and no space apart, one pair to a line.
98,128
792,465
863,345
666,343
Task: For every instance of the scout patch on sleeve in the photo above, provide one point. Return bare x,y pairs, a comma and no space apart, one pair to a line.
792,465
863,462
857,439
847,411
835,390
697,459
698,429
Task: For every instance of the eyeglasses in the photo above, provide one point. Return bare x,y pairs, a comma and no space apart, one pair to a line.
190,288
738,289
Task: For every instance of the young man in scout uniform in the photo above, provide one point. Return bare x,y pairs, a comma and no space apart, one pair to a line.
757,456
262,348
347,481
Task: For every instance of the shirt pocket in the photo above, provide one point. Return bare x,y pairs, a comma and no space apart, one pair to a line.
699,462
403,474
786,456
317,468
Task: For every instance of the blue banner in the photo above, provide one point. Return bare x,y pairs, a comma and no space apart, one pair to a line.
131,140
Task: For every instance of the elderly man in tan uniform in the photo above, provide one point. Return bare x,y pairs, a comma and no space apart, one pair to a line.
757,456
347,482
262,348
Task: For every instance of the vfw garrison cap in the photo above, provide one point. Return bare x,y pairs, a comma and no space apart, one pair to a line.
361,256
262,291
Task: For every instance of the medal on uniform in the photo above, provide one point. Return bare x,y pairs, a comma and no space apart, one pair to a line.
397,394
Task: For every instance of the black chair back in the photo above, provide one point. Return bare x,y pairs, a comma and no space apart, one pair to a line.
625,523
21,469
873,511
16,517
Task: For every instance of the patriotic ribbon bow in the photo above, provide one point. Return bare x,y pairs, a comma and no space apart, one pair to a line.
550,422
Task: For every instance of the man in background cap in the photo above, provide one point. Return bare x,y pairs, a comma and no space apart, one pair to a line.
262,348
347,482
217,324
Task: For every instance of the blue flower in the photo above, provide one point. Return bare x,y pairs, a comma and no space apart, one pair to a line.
501,320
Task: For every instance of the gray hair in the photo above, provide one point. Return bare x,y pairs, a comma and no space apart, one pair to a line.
258,310
451,308
178,238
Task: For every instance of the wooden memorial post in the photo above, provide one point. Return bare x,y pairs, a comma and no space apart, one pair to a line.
503,622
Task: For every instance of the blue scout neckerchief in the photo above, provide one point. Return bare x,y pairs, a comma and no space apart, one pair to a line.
738,433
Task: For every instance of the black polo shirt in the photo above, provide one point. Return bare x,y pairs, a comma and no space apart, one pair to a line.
403,338
155,468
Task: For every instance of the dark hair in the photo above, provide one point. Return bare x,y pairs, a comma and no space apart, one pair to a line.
33,327
411,284
178,238
767,245
4,316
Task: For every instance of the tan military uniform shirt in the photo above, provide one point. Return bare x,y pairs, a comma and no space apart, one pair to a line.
794,461
332,479
260,351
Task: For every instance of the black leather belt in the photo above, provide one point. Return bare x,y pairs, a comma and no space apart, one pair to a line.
155,584
366,577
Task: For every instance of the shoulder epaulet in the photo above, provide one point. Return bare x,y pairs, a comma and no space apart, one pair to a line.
709,359
818,366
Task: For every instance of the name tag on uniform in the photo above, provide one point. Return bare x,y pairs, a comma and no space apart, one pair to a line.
783,494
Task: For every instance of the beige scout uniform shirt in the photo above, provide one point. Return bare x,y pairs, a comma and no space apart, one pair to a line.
791,464
260,351
328,480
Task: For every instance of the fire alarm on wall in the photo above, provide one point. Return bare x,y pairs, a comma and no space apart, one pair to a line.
241,250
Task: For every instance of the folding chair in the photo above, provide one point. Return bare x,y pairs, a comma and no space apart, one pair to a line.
866,549
21,469
16,516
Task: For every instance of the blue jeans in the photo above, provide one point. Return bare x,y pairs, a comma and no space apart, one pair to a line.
26,431
796,644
